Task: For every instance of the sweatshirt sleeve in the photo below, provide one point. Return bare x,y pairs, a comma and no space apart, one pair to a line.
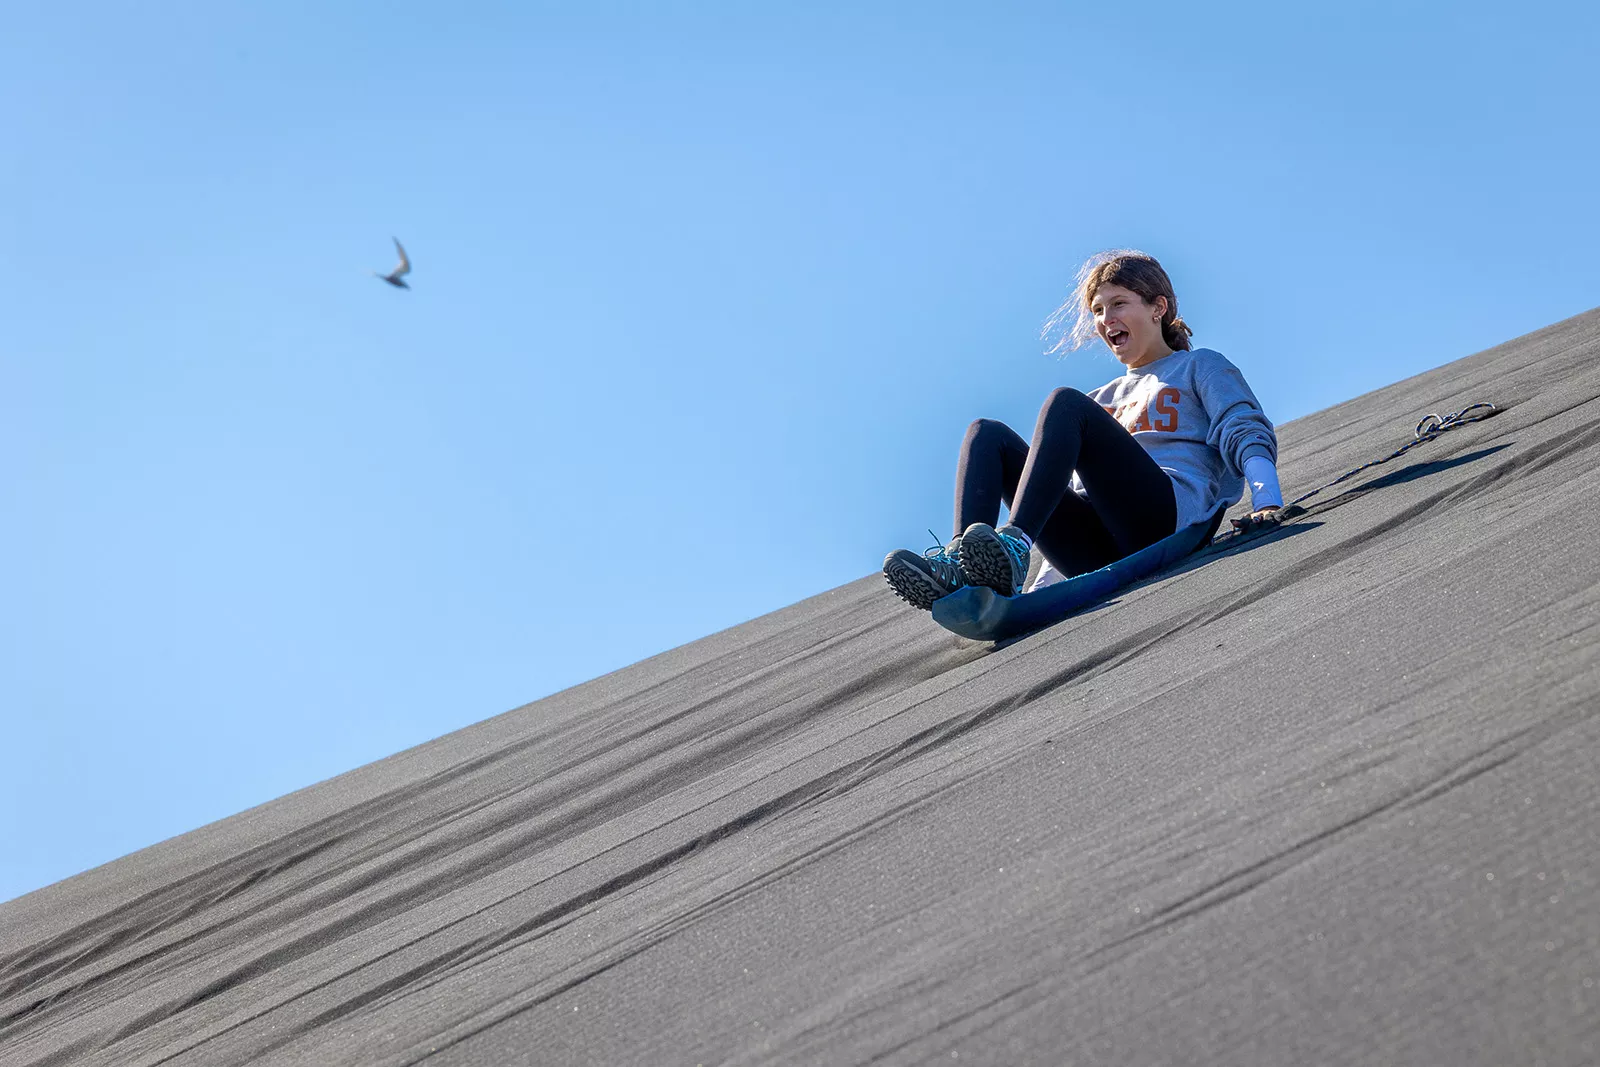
1239,428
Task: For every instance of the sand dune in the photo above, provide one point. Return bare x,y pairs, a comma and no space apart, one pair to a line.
1329,796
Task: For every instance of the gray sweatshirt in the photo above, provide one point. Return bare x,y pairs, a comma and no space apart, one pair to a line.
1198,419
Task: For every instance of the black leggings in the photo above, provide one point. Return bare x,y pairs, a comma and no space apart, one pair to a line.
1130,502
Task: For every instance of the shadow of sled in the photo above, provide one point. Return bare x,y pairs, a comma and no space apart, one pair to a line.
981,614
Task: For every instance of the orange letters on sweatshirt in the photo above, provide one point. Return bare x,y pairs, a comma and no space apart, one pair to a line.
1135,414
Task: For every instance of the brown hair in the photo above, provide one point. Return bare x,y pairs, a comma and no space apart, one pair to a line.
1072,325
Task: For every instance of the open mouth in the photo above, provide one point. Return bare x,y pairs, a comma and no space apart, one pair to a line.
1115,338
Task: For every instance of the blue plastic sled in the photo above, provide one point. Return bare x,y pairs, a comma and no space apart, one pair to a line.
981,614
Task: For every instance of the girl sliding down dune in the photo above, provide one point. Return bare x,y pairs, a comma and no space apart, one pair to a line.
1109,472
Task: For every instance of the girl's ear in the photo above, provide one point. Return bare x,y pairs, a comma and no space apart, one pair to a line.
1160,304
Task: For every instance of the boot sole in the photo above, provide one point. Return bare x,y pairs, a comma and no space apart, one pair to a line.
985,561
911,584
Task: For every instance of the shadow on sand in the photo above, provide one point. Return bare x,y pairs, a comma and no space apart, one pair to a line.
1422,470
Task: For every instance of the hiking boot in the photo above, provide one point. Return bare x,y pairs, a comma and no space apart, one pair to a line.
995,558
920,580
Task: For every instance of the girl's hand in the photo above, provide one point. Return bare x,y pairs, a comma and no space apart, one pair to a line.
1258,520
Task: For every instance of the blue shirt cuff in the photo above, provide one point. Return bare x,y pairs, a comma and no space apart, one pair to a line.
1262,477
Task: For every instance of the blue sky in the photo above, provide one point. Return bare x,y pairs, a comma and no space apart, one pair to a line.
704,297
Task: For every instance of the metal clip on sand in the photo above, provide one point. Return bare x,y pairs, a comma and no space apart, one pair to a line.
1431,426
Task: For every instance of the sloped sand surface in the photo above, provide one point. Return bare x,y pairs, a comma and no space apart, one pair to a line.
1330,795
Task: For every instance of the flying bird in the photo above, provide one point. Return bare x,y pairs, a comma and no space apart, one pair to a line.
396,277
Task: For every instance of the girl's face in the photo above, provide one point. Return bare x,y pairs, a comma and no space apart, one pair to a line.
1130,327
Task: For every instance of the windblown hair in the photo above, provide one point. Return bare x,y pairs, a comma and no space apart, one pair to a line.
1072,325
